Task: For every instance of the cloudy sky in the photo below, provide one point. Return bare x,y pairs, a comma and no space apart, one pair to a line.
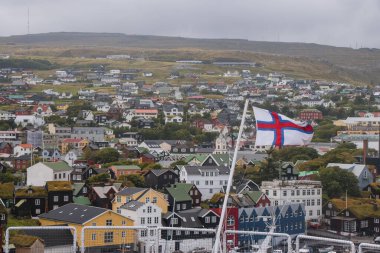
352,23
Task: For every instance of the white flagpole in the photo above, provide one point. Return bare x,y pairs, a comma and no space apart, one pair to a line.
230,179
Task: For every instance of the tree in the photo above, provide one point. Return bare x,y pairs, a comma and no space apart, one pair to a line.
106,155
133,180
294,153
336,181
100,178
9,178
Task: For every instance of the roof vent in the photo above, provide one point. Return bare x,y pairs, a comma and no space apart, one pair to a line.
70,213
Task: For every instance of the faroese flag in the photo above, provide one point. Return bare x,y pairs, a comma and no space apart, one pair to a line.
274,129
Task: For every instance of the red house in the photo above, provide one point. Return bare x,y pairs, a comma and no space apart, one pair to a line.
231,222
6,148
310,114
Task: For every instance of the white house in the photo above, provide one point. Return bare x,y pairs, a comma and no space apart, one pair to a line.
296,191
71,156
173,119
208,179
4,115
39,173
22,149
34,120
143,214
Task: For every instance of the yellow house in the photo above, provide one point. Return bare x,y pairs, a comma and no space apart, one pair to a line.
143,195
68,144
80,216
62,107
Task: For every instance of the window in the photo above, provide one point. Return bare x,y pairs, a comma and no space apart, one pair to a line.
93,237
187,232
178,232
84,190
38,211
183,206
196,182
211,190
312,202
118,199
55,199
213,219
178,206
207,219
303,192
318,212
292,192
211,182
206,182
298,192
276,202
154,200
377,221
143,233
123,234
108,237
313,192
318,191
267,192
147,200
318,202
274,193
310,212
156,220
108,222
173,221
308,192
308,202
284,193
142,221
37,202
149,220
66,198
149,209
123,222
230,220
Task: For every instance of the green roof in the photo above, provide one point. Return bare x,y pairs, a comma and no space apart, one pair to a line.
58,166
200,158
180,191
125,167
222,159
37,191
77,187
82,200
23,241
7,190
307,173
254,195
59,186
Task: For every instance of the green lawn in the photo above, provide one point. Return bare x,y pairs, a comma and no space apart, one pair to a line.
18,222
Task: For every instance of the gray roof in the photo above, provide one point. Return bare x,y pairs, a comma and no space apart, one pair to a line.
159,172
196,170
132,205
131,190
74,213
101,191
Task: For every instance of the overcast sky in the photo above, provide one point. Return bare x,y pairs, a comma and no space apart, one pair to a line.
333,22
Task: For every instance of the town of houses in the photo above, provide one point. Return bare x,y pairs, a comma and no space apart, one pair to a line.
159,154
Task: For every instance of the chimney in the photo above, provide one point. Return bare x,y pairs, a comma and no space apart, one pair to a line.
365,151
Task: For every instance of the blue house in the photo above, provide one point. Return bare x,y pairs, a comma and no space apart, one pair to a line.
289,219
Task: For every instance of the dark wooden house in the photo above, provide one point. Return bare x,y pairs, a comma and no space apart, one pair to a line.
160,178
30,201
59,194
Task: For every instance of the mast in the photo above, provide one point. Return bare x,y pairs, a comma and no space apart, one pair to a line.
229,184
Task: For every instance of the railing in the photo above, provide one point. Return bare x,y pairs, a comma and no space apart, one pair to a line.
323,244
143,239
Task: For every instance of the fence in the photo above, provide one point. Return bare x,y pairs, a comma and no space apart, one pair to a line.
57,239
255,241
305,244
141,239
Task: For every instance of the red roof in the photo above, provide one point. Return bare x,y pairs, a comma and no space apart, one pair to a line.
26,145
146,111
